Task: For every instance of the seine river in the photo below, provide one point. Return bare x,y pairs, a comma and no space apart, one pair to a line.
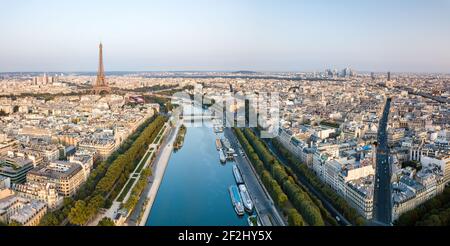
194,191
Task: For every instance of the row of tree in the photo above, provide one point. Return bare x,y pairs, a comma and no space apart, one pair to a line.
89,190
153,88
48,96
83,211
435,212
106,222
56,218
117,174
330,220
309,176
138,189
274,189
164,103
99,172
126,163
299,198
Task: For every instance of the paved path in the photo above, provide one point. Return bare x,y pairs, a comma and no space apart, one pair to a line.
133,177
159,168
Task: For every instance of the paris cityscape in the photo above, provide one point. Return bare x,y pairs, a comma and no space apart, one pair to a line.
350,143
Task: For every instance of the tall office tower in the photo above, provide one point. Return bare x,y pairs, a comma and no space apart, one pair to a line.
101,86
383,193
372,75
329,73
389,76
344,73
351,72
45,79
335,73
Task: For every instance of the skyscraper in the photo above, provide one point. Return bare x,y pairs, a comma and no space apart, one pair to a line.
101,86
389,76
382,194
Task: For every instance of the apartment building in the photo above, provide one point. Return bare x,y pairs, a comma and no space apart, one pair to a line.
15,168
66,176
23,211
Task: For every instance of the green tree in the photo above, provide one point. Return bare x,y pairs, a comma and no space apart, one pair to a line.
94,205
14,223
360,221
106,222
433,220
294,218
79,213
50,219
436,210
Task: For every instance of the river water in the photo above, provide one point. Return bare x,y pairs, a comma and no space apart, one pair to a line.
194,191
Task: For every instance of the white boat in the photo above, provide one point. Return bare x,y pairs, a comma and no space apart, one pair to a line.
218,144
222,157
236,200
246,199
237,175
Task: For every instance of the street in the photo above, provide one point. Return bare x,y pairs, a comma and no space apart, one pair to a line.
328,206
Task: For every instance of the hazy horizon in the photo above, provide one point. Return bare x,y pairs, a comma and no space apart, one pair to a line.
254,35
94,72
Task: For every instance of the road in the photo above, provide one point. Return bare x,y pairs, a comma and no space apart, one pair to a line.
382,191
327,205
268,213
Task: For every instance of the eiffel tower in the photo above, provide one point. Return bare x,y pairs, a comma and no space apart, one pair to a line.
100,86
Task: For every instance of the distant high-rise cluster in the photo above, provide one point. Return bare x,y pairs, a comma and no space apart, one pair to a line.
344,73
44,80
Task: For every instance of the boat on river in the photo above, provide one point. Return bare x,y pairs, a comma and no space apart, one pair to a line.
236,200
222,157
246,199
237,175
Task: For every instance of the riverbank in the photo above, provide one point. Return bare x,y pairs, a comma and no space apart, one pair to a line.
134,178
159,168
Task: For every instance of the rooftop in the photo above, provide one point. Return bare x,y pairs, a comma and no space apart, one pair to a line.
57,170
364,186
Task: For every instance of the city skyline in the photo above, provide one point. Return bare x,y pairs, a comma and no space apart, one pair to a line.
251,115
404,36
